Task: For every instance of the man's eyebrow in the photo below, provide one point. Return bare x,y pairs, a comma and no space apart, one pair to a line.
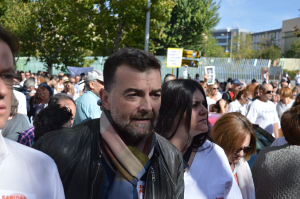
132,90
156,90
7,70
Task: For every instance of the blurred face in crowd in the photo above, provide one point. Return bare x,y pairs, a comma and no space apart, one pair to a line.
235,87
294,95
214,90
77,79
22,76
69,104
234,158
267,93
244,99
27,75
199,115
16,81
134,101
6,82
284,85
32,75
72,80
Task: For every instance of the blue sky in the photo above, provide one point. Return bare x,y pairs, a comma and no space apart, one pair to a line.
257,15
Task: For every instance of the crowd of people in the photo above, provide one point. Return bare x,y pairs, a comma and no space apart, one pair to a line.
122,133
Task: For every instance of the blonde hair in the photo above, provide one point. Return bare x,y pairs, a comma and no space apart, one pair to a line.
208,90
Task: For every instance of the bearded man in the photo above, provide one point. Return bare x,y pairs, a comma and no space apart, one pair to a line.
119,155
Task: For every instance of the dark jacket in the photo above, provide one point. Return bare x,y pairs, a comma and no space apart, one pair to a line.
77,153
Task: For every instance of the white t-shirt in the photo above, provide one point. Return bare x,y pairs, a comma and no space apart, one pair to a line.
22,102
264,114
60,87
279,141
212,101
210,175
27,172
235,106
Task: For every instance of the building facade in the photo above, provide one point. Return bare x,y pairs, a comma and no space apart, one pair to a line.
288,35
274,35
224,36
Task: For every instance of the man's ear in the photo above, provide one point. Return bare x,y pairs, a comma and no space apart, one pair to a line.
92,85
104,96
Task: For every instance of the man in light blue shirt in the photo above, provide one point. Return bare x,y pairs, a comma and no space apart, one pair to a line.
86,104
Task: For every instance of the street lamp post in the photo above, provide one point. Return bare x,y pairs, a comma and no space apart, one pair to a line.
147,26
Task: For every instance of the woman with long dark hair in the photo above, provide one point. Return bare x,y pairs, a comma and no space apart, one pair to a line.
183,121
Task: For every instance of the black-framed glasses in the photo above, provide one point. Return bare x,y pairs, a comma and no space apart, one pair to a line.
8,78
246,149
269,92
215,88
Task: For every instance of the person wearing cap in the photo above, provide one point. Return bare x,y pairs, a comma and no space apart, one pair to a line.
86,104
235,86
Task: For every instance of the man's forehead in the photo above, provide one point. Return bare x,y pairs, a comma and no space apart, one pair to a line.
6,58
127,76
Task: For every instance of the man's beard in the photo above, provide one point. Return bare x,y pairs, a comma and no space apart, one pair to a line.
128,126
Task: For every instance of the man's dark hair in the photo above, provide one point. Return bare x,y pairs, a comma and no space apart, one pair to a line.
274,84
55,77
50,119
131,57
18,77
229,80
11,40
82,74
253,81
54,99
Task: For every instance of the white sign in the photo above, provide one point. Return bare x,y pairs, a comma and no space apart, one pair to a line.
210,70
174,57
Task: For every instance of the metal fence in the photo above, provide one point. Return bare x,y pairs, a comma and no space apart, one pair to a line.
244,69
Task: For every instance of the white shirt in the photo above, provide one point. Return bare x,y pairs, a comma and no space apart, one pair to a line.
212,101
235,106
297,78
22,82
60,87
27,172
210,175
264,114
22,102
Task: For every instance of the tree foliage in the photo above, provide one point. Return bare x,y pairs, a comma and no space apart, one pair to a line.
242,47
190,22
210,47
294,52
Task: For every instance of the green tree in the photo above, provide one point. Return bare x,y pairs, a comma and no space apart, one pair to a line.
267,49
211,49
51,30
242,47
122,23
190,21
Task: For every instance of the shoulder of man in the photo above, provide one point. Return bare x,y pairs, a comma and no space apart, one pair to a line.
171,155
66,144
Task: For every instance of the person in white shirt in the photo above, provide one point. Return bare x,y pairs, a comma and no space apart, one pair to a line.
25,172
22,78
263,112
183,121
239,105
213,94
235,134
297,78
22,109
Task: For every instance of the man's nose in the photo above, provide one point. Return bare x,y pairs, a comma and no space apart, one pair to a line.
145,105
3,89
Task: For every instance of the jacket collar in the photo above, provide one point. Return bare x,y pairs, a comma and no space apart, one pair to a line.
3,149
